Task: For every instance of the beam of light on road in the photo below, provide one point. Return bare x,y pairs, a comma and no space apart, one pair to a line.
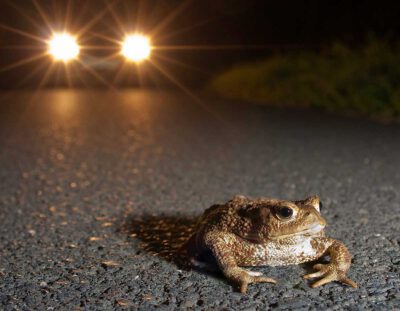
63,47
136,48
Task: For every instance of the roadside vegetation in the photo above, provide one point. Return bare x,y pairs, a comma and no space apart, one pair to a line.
364,81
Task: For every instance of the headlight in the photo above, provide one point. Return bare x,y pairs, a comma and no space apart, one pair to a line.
136,48
63,47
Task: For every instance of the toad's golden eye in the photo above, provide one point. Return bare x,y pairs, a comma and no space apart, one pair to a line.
284,212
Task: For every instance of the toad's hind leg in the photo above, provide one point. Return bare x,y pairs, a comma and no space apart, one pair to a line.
222,245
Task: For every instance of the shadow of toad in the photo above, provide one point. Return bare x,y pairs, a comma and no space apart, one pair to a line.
162,236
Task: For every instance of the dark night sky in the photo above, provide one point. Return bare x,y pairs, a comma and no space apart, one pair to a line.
280,26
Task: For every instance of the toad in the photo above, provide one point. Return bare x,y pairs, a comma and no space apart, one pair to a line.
267,232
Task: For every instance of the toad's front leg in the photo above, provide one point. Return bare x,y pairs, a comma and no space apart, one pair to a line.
336,270
223,246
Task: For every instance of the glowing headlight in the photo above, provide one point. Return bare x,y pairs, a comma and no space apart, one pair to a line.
136,48
63,47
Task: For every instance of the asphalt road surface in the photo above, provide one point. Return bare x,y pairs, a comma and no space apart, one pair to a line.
98,190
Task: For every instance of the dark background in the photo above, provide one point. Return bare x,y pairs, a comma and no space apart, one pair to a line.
248,30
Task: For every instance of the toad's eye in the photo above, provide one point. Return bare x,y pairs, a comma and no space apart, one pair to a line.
284,212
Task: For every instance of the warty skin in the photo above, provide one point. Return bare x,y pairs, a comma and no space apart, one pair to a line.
267,232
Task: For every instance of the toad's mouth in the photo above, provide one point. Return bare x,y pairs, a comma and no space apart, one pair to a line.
313,230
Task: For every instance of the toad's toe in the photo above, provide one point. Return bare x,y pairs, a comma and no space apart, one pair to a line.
329,273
